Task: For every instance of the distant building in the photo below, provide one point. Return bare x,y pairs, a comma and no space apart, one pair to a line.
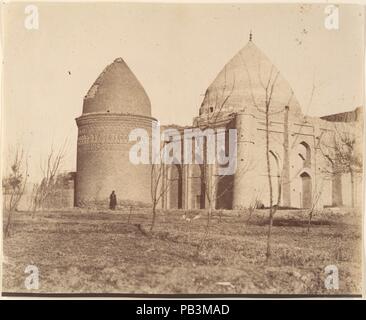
301,148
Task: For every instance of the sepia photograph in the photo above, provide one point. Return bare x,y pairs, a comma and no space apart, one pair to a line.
182,149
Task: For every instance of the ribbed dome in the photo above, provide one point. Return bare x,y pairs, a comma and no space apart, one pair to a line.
246,76
117,90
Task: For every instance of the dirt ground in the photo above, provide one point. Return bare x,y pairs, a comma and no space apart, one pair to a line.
78,251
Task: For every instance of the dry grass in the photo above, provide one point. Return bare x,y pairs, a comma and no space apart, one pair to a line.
99,252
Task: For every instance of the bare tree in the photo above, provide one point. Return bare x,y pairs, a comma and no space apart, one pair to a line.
50,168
254,204
315,199
344,154
14,185
210,180
216,105
265,107
159,186
348,156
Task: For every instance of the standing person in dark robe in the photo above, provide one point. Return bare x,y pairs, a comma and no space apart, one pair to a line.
112,201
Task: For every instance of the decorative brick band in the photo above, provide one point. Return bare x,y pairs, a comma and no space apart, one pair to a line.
104,131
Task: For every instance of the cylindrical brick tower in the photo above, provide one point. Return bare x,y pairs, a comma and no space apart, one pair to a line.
115,104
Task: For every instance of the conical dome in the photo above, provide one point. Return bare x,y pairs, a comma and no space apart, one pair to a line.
117,90
242,84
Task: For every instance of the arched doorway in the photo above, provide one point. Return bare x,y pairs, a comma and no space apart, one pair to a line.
175,188
196,193
306,197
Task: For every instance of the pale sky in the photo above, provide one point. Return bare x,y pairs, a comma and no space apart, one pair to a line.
175,51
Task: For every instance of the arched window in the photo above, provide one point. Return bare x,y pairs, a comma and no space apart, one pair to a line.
274,163
304,153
